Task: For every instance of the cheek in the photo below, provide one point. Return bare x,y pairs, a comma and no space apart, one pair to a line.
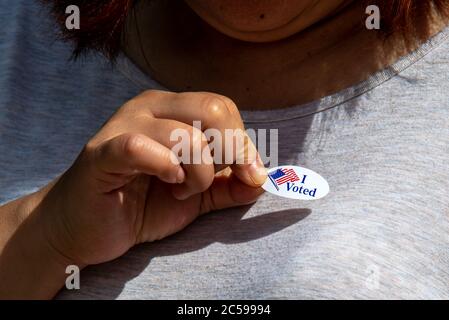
251,15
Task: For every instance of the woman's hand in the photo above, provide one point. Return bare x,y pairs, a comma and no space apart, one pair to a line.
128,186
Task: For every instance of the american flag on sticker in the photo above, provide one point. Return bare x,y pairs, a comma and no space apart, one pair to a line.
281,176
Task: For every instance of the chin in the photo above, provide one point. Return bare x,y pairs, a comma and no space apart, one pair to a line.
262,36
261,20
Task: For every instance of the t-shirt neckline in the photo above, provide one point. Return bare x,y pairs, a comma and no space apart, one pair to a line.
144,81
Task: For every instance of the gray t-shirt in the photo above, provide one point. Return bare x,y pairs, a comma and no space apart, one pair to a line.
382,232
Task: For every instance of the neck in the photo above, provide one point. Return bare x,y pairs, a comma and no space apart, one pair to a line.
173,45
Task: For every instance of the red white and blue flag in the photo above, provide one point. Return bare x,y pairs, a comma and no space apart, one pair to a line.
281,176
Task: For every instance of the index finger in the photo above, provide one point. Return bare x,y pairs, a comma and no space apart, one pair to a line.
214,112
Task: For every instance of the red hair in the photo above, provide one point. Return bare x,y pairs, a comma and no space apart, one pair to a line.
102,23
103,20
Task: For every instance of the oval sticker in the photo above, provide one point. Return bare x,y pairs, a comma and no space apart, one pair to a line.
296,183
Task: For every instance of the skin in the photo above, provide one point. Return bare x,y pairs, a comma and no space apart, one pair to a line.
125,188
286,62
263,21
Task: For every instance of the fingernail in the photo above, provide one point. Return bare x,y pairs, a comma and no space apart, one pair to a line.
258,173
180,177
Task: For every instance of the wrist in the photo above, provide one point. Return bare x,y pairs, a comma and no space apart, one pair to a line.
30,266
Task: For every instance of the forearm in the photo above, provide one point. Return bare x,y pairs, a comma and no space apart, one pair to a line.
29,267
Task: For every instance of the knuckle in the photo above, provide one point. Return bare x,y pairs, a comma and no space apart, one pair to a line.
151,94
154,95
133,109
144,117
90,152
129,106
215,109
142,99
133,144
90,147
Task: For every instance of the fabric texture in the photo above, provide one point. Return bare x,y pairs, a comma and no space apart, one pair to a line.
382,145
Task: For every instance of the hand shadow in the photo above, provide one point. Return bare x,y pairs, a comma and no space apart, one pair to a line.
225,227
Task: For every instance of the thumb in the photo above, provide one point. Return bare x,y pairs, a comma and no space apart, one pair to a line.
228,191
251,171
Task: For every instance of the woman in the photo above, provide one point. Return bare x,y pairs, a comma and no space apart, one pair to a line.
365,108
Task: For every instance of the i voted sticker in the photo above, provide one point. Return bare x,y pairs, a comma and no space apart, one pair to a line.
296,183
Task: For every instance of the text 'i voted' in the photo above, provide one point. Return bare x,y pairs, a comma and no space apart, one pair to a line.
296,183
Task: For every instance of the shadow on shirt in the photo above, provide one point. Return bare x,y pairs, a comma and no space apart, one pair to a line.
106,281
